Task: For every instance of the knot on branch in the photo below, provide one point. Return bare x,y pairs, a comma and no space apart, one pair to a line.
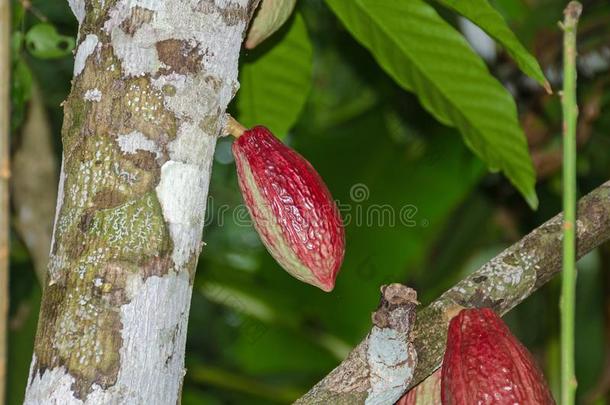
396,308
573,10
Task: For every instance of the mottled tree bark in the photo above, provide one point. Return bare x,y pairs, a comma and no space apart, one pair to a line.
152,80
502,283
378,369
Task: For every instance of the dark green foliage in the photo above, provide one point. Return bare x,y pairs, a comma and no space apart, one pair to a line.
378,106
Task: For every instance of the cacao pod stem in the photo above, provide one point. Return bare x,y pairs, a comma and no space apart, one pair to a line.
234,128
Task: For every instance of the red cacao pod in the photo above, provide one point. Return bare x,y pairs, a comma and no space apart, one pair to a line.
484,363
291,208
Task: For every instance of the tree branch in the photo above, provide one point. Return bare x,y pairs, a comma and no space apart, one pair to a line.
502,283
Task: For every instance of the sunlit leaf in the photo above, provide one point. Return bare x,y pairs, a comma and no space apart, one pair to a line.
424,54
489,20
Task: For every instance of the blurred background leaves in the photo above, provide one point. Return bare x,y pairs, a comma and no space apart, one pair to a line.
420,207
275,79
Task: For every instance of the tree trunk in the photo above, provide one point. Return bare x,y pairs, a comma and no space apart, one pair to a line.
152,80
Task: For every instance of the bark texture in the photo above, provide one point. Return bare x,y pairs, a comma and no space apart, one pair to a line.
377,371
501,284
152,79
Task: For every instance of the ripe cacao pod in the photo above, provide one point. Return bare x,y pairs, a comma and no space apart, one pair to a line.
291,208
484,363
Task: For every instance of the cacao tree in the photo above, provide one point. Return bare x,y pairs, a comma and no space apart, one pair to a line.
436,126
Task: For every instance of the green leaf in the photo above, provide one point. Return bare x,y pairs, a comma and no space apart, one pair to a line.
426,55
481,13
276,80
44,42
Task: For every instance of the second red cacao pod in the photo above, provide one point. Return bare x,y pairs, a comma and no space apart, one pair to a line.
291,208
484,363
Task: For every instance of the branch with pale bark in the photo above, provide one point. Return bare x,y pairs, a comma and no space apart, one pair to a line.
502,283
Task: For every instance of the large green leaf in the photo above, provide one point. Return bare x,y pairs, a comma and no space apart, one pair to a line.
426,55
275,81
481,13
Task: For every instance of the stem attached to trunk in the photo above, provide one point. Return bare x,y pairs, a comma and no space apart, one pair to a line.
152,81
234,128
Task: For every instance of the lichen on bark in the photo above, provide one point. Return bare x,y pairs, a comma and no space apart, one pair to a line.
152,81
379,369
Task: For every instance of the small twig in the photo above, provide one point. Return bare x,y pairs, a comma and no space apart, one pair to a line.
568,282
